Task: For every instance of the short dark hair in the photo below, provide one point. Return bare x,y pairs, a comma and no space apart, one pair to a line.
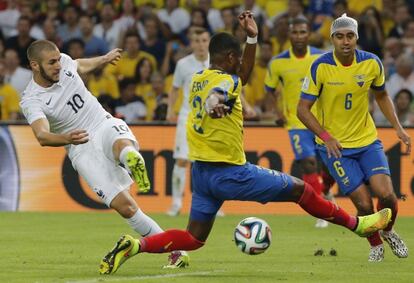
124,83
299,20
36,47
223,42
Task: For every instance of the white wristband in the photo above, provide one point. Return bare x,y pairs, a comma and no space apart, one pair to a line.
251,40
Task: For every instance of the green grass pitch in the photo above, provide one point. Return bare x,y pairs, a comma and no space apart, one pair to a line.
67,247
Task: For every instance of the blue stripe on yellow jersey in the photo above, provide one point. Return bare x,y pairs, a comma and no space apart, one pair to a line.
215,140
289,71
342,96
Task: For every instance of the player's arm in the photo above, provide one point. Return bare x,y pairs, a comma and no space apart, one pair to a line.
172,98
385,104
248,24
248,110
304,114
41,130
86,65
215,104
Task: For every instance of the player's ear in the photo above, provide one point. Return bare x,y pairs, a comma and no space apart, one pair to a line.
34,65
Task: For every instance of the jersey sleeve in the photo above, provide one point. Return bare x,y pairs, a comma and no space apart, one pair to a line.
379,81
311,84
178,78
272,76
31,109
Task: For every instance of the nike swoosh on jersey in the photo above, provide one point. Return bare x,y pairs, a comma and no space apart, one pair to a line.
50,99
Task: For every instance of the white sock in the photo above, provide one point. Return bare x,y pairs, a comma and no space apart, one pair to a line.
178,184
143,224
123,155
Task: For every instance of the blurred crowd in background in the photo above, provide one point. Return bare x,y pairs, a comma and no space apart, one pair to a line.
154,36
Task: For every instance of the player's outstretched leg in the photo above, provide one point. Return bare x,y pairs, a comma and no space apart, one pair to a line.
125,248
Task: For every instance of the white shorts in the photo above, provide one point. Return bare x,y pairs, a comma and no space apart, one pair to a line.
181,145
95,161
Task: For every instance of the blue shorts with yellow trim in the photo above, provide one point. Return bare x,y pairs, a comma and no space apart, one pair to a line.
303,143
214,183
356,165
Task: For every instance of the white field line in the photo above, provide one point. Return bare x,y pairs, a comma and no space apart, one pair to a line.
145,277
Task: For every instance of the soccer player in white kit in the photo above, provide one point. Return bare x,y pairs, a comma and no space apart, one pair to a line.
62,112
183,73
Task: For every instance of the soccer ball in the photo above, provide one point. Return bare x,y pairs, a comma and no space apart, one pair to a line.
253,236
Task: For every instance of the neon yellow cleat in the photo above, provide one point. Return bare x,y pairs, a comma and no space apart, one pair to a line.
136,164
371,223
178,259
125,248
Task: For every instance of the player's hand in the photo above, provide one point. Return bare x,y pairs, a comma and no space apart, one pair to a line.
248,23
218,111
405,138
113,56
77,137
333,148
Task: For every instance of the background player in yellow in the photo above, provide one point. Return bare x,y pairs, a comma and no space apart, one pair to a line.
289,68
220,171
340,82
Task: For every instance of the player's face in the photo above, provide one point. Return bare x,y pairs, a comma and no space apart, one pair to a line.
50,66
299,35
344,42
199,44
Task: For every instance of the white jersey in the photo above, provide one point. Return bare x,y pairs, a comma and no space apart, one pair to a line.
183,74
67,104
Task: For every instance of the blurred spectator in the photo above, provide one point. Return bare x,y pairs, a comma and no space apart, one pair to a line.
9,19
22,40
129,106
161,97
213,15
254,90
26,10
51,12
402,103
69,29
402,14
94,46
404,77
127,16
295,9
15,75
108,29
392,49
91,9
229,20
100,83
75,48
408,36
371,33
125,67
9,98
358,6
175,50
318,11
50,32
279,34
143,73
177,18
198,19
153,43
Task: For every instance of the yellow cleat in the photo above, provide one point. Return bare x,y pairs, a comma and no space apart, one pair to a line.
369,224
136,165
125,248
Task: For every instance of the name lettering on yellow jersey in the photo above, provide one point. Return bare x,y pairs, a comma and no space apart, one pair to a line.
198,86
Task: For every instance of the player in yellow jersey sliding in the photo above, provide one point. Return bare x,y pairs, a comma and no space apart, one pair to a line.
339,81
220,171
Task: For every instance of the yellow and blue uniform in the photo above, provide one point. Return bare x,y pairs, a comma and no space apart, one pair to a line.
220,171
289,71
341,95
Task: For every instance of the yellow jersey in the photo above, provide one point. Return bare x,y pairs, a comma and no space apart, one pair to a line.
125,67
289,71
9,101
342,96
221,139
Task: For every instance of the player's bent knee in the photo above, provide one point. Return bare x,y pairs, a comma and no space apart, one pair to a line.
298,189
127,211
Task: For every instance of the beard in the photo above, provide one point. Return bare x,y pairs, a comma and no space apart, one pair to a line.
46,76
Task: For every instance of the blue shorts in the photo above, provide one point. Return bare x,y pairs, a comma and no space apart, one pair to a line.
356,165
303,143
213,183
